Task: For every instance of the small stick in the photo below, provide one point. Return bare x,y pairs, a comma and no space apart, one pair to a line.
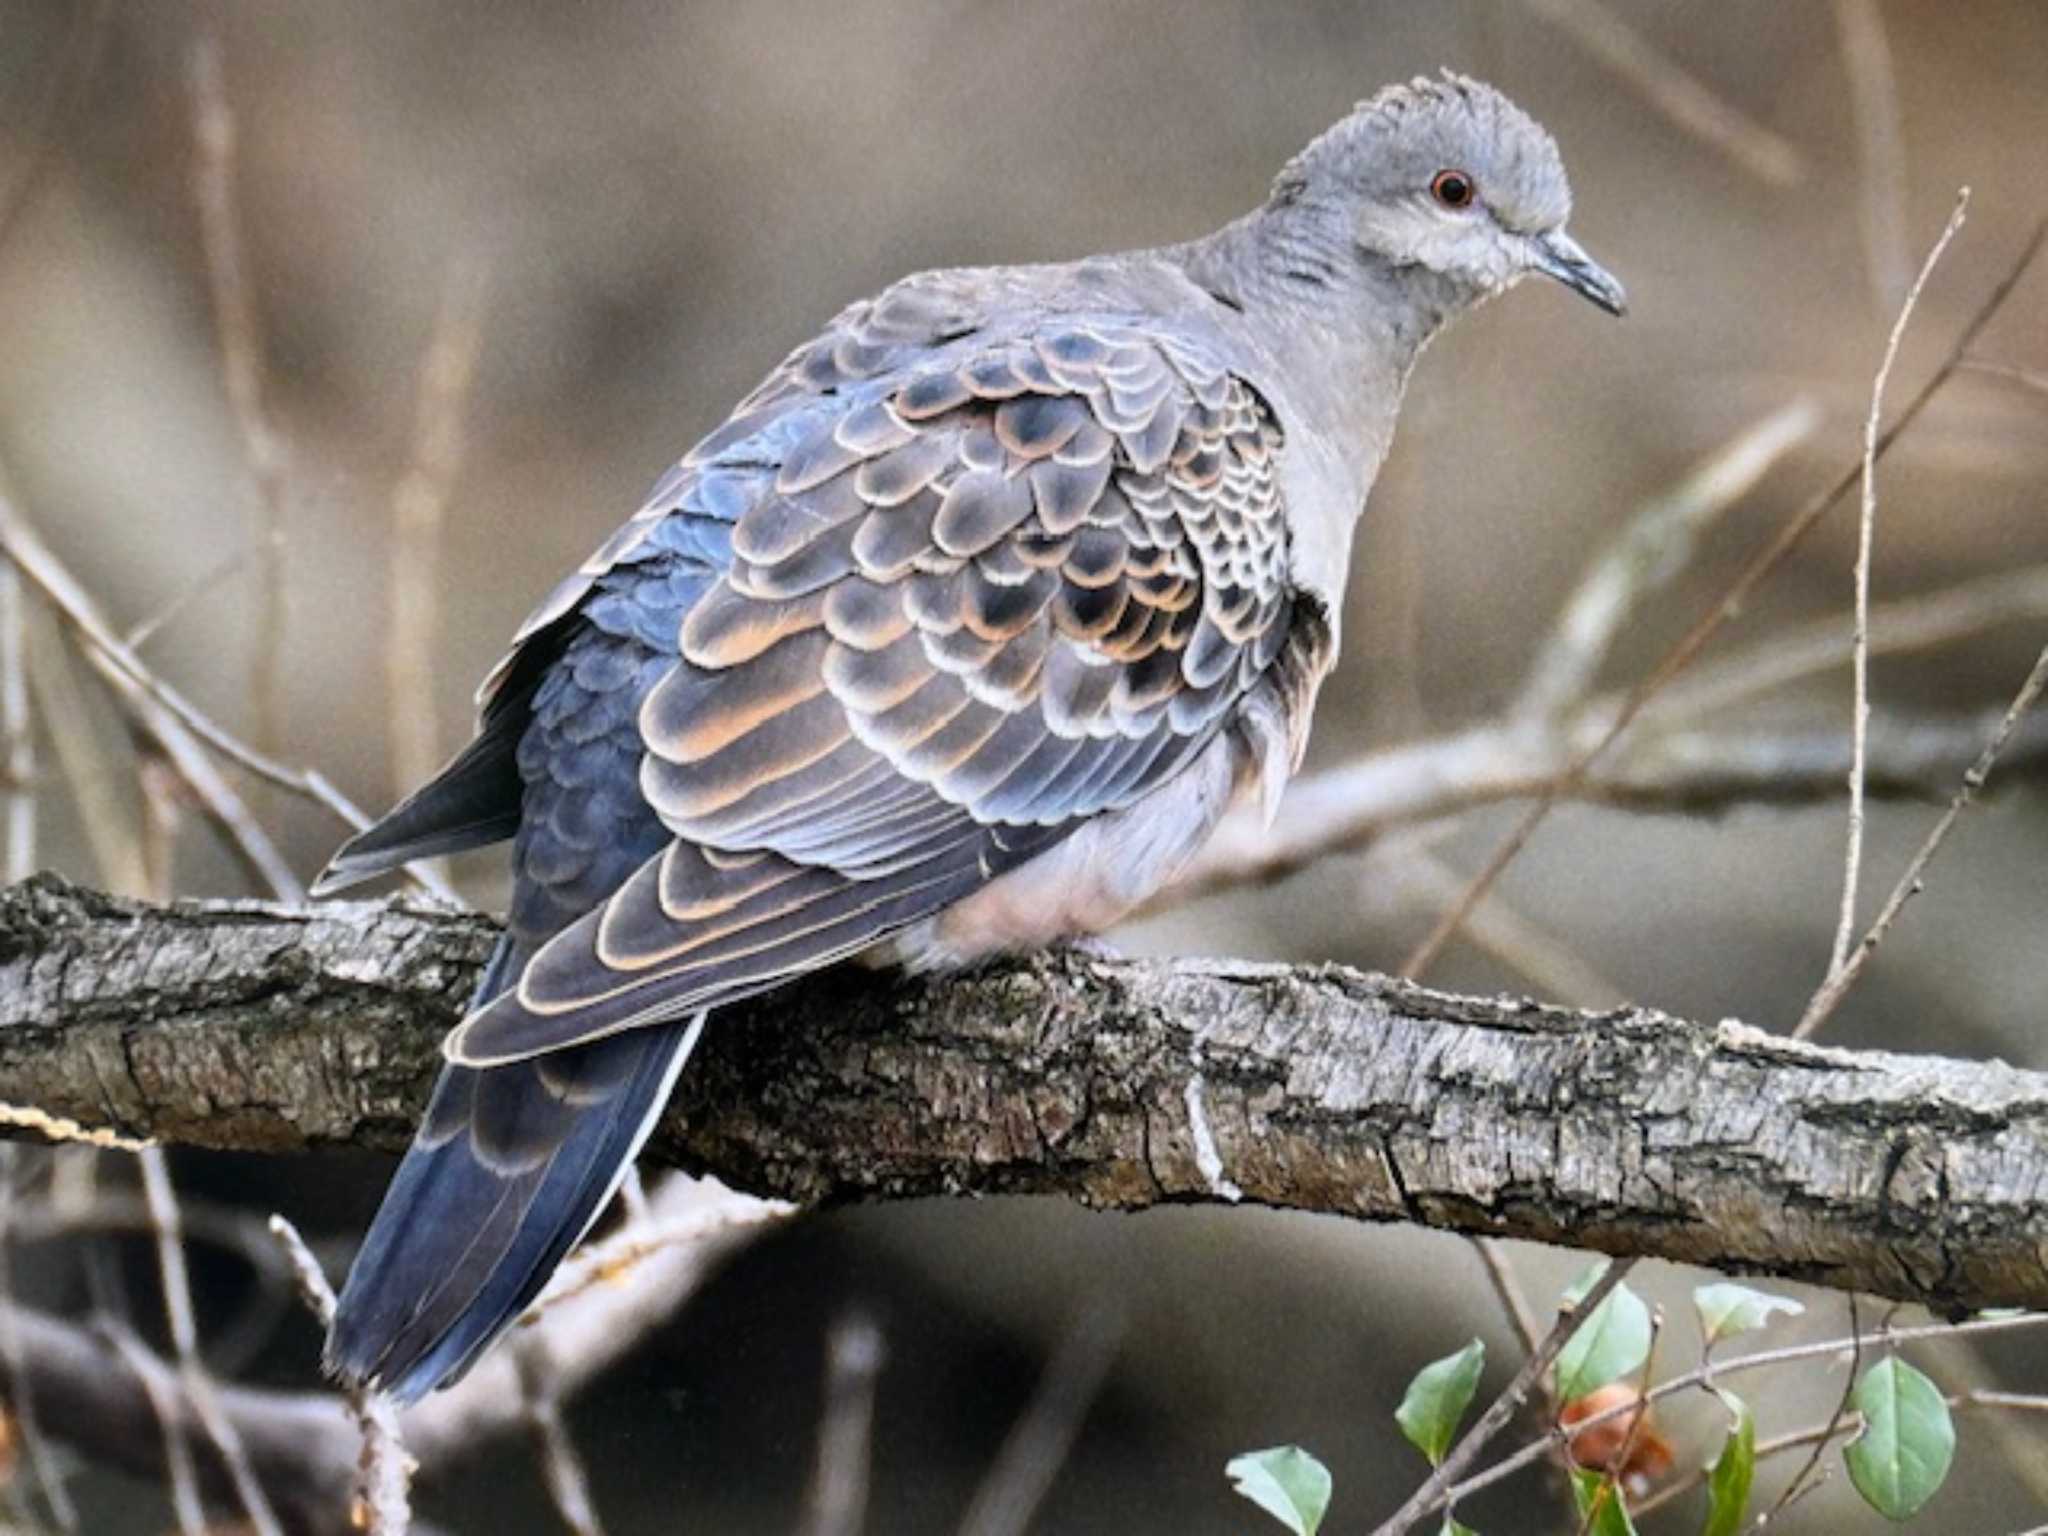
17,737
1866,538
384,1470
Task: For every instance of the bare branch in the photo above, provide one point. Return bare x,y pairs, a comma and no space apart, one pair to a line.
247,1025
156,710
1672,768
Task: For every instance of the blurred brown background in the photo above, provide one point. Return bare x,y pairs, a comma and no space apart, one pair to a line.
649,204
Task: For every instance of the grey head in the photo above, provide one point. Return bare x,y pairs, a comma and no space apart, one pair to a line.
1454,189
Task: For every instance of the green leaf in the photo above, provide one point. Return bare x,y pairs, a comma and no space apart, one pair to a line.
1287,1483
1733,1470
1595,1494
1727,1309
1908,1439
1607,1346
1437,1399
1455,1527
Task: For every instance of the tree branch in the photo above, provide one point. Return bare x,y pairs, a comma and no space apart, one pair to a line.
1120,1084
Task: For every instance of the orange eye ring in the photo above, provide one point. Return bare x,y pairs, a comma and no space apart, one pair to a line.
1454,189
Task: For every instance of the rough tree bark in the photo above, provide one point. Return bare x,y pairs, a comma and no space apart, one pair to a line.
1121,1084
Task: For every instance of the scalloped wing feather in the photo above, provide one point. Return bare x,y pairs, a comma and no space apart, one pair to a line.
975,598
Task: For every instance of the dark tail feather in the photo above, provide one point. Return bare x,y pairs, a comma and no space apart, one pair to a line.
473,801
509,1170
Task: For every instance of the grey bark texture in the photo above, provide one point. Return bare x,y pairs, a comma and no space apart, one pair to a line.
1118,1083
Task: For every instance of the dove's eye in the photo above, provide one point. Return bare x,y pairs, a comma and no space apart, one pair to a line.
1454,189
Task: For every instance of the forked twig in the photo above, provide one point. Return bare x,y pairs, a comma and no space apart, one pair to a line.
1442,1489
1831,992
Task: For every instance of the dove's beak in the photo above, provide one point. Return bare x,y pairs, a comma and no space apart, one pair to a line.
1558,255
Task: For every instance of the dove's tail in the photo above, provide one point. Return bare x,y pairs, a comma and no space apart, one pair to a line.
509,1170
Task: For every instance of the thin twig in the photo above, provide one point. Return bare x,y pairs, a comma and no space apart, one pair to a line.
141,634
1831,992
180,727
17,736
1865,542
241,347
1874,104
21,1402
1795,1489
162,1393
1762,565
1836,1429
2027,378
1043,1436
149,705
1441,1489
418,509
1678,95
383,1495
838,1499
184,1330
1907,624
1617,1464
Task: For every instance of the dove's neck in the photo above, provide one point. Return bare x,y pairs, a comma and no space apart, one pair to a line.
1338,332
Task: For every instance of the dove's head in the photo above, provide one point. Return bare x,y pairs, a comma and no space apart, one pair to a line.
1453,186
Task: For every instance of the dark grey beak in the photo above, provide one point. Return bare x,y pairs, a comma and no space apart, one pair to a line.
1558,255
